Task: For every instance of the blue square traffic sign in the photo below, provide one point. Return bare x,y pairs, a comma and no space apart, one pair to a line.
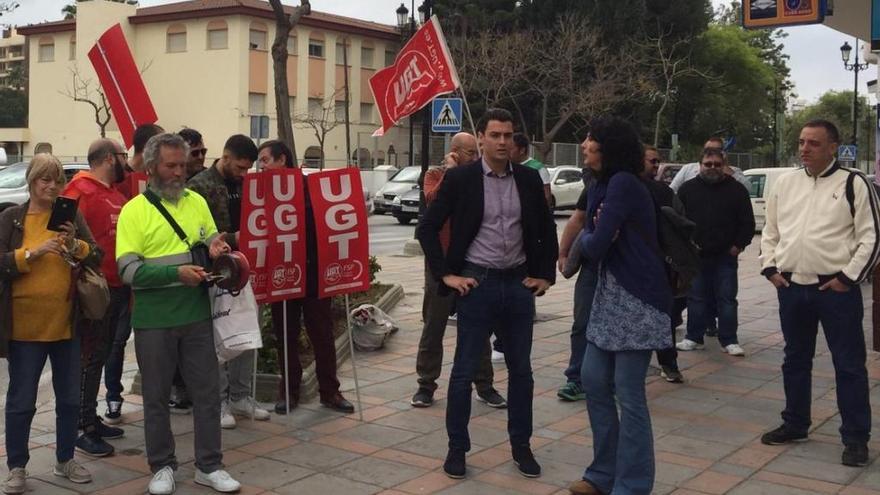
446,115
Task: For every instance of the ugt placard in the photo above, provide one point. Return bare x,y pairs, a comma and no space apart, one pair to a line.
342,231
273,233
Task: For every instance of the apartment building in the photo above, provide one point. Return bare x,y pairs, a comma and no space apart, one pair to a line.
207,65
12,54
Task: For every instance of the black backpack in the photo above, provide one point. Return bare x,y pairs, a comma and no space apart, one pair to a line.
677,250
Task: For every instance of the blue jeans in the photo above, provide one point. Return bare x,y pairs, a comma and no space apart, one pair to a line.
801,309
584,290
116,355
26,362
623,446
501,302
716,283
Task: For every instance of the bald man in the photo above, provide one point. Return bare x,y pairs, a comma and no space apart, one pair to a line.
436,308
100,204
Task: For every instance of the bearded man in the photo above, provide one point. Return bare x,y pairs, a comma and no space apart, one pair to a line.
171,316
722,210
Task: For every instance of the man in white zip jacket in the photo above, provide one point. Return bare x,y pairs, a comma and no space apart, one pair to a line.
819,243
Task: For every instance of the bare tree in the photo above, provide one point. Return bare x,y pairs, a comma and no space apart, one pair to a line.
87,91
321,120
672,63
284,23
7,6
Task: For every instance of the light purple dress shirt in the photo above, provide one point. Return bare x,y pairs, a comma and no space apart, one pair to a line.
499,242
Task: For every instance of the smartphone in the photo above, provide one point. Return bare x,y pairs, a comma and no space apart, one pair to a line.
64,210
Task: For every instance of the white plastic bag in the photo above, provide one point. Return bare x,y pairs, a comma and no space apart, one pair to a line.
370,327
236,325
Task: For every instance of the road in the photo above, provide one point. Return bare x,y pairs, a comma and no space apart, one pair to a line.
387,237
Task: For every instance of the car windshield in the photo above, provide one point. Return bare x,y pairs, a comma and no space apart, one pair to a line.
408,174
13,176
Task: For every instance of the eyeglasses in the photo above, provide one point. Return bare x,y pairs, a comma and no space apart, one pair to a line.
713,164
123,154
654,161
199,152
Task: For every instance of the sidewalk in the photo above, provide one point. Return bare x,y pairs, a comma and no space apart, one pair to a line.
706,430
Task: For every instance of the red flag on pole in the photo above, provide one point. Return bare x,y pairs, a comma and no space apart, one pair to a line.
273,230
341,231
121,82
422,71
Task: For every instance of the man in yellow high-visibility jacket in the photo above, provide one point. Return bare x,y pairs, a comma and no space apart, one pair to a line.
172,312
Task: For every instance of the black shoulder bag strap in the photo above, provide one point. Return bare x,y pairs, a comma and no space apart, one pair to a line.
155,201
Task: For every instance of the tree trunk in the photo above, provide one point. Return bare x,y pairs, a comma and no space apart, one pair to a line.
284,24
658,117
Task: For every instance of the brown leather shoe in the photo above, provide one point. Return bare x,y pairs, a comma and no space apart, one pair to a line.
583,487
338,403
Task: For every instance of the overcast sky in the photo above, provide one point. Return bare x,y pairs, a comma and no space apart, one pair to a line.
814,50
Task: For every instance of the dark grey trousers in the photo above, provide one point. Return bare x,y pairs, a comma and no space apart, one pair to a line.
435,313
159,353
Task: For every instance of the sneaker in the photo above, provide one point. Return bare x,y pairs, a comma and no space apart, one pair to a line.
525,462
689,345
181,407
422,398
227,420
113,416
454,466
108,432
671,375
855,455
15,481
219,480
583,487
92,445
492,399
782,435
162,482
248,406
571,392
497,357
733,350
72,471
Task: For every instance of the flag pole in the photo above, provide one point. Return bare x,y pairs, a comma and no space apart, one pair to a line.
347,104
254,385
467,109
357,388
286,362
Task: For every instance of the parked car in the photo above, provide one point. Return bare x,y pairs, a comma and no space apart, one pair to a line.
762,180
405,208
666,172
566,184
401,182
13,185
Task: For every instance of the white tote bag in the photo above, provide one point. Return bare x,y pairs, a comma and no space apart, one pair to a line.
236,325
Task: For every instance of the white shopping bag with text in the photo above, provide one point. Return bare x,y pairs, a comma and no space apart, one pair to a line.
236,325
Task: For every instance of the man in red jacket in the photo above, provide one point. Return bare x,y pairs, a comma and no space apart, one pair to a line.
100,205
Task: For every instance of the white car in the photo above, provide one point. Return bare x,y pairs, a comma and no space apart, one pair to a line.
13,186
566,184
762,180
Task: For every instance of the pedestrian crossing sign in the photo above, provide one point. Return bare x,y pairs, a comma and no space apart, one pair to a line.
846,153
446,115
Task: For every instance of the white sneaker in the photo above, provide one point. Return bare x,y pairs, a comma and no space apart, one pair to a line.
689,345
497,357
219,480
227,420
162,482
733,350
15,481
246,406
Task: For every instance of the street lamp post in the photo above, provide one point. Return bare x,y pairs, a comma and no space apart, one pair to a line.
406,23
856,67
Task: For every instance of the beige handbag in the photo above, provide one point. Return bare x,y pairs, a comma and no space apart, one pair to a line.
92,291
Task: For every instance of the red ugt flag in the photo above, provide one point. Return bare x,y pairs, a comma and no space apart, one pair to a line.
341,230
121,82
422,71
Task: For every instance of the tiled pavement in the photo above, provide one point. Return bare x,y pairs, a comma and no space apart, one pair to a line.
706,430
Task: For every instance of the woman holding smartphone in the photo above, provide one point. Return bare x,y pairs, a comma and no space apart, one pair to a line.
37,316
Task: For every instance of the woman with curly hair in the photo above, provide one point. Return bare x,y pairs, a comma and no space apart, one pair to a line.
630,314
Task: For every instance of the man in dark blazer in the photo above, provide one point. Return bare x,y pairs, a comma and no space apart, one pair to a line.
502,254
